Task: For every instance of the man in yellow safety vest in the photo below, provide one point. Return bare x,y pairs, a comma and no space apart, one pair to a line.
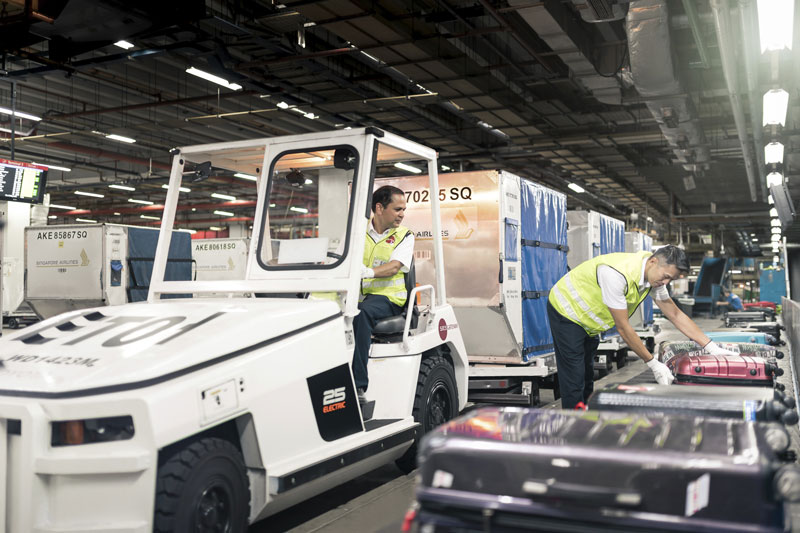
388,252
604,292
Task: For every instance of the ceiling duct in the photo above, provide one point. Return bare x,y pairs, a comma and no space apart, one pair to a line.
600,10
556,26
656,80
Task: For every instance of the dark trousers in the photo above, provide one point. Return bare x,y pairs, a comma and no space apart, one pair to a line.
575,350
373,308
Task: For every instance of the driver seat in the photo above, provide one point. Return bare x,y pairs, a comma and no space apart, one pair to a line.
390,329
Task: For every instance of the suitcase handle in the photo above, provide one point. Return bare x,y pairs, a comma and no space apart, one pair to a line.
581,493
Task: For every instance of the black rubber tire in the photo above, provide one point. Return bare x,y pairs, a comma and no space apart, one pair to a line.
435,402
203,487
13,323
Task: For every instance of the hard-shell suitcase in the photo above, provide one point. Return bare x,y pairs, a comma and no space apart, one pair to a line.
705,369
517,469
748,403
753,337
668,349
773,328
756,305
739,317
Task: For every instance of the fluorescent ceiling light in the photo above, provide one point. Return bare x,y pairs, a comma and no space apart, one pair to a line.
143,202
223,213
124,44
186,230
19,114
121,187
215,228
775,23
89,220
309,181
736,271
776,231
223,196
67,207
121,138
245,176
575,187
776,238
298,209
272,205
408,168
773,212
776,102
92,194
148,217
770,200
752,234
53,167
212,78
775,222
773,153
52,216
283,105
776,259
182,189
117,214
755,239
445,167
774,178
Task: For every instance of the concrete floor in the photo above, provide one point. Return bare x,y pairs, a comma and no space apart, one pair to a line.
378,501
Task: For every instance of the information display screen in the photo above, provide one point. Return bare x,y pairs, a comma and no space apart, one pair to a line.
22,182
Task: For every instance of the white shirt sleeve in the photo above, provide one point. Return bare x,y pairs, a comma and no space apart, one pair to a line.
404,252
660,293
612,285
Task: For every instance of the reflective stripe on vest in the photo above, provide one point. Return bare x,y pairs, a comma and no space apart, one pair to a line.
380,253
578,297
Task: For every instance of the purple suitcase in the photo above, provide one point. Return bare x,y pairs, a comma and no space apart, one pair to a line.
517,469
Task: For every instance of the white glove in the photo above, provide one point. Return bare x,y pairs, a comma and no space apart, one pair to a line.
715,349
661,372
367,272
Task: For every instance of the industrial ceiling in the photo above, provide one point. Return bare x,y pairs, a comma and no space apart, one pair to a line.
629,101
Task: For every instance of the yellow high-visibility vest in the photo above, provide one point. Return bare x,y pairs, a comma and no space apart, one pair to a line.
377,254
577,295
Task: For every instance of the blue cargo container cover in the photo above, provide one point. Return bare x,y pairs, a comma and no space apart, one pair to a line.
142,243
544,221
612,239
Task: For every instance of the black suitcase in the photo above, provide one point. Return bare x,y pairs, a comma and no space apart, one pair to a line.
773,328
517,469
743,403
739,317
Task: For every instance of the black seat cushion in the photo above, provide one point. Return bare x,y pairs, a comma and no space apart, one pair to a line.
390,326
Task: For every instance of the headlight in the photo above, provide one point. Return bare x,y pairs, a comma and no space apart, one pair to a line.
70,432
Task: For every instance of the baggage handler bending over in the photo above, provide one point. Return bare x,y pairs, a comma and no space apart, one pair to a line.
388,253
726,297
604,292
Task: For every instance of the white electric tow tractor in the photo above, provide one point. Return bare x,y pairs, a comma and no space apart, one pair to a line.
207,414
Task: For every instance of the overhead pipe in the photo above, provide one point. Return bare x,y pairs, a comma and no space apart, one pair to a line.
110,155
722,23
158,207
748,17
690,8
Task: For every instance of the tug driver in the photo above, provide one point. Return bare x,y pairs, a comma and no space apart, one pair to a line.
388,253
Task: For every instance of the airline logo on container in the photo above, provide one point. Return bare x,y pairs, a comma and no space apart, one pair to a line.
443,327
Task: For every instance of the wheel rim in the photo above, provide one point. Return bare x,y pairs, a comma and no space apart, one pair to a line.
213,512
439,405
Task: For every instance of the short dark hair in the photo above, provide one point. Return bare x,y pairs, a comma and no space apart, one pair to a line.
672,255
384,196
